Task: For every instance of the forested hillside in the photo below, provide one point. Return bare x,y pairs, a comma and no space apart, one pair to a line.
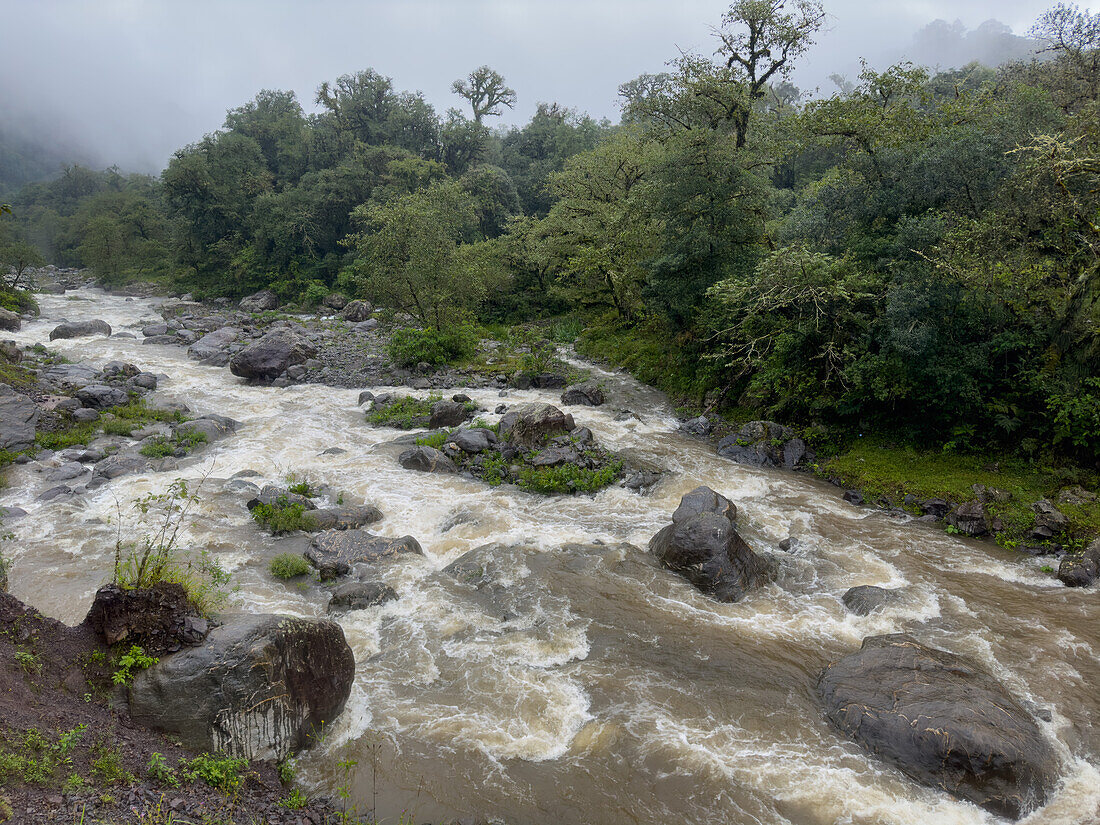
916,255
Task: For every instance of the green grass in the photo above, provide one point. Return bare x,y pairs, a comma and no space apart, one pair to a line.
567,478
37,759
17,377
405,413
181,444
435,440
289,566
882,470
80,434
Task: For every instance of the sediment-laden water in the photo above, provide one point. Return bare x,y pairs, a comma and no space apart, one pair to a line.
585,684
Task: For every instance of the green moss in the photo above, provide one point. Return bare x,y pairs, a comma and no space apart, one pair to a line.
17,377
289,566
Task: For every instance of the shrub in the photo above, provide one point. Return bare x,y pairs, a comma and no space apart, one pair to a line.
302,488
403,413
282,516
289,566
159,447
130,662
223,773
567,478
409,347
435,440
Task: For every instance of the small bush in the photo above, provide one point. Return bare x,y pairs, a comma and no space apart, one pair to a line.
159,447
302,488
159,770
129,663
567,478
289,566
435,440
69,437
403,413
282,516
107,765
409,347
223,773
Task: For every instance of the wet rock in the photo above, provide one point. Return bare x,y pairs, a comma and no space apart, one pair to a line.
69,375
765,444
356,311
271,494
12,513
364,397
9,321
343,518
145,381
557,455
705,548
153,617
698,427
532,425
333,552
942,721
214,427
789,544
587,394
1049,521
866,598
269,357
101,396
80,329
1080,569
360,596
704,500
448,414
258,687
161,339
10,352
119,464
426,460
66,472
970,518
368,325
85,416
18,419
153,330
55,492
261,301
935,507
213,343
853,497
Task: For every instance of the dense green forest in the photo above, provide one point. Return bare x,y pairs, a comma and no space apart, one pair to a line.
917,254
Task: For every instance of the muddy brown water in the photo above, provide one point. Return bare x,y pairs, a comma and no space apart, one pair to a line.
583,684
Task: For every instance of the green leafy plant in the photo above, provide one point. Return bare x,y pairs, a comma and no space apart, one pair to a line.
404,413
159,769
28,661
409,347
129,663
435,440
567,478
302,488
107,765
289,566
222,772
282,516
295,800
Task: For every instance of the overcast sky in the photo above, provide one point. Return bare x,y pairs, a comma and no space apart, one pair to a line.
136,79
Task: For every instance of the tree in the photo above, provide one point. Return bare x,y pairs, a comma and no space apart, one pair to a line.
15,259
1074,36
486,92
761,39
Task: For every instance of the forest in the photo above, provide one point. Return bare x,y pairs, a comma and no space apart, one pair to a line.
915,255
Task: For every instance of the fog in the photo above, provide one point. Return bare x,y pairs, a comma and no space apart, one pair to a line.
127,82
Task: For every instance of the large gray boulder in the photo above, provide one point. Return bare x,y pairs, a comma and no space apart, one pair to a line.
587,394
80,329
360,596
214,427
347,517
765,444
9,321
942,721
101,396
214,344
258,687
356,311
705,548
971,518
269,357
426,460
18,418
333,552
532,425
1082,568
261,301
867,598
448,414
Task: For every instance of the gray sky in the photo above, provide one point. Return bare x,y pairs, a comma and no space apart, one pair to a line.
136,79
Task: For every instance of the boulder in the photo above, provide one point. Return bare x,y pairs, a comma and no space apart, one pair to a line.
214,427
258,687
9,321
765,444
18,419
704,500
532,425
85,416
1049,521
447,414
426,460
970,518
360,596
261,301
80,329
477,440
119,464
213,343
705,548
1082,568
854,497
269,357
159,619
333,552
588,394
271,494
153,330
867,598
942,721
935,507
9,351
335,301
144,381
356,311
101,396
698,427
343,518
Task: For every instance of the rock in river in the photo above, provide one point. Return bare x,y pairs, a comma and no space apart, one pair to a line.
333,552
258,687
18,417
269,357
705,548
942,721
1082,568
80,329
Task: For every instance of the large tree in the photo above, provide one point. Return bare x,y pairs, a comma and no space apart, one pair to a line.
486,92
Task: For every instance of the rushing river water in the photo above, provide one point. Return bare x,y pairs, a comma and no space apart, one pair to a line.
585,684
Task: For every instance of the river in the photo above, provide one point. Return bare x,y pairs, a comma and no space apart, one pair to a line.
585,684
